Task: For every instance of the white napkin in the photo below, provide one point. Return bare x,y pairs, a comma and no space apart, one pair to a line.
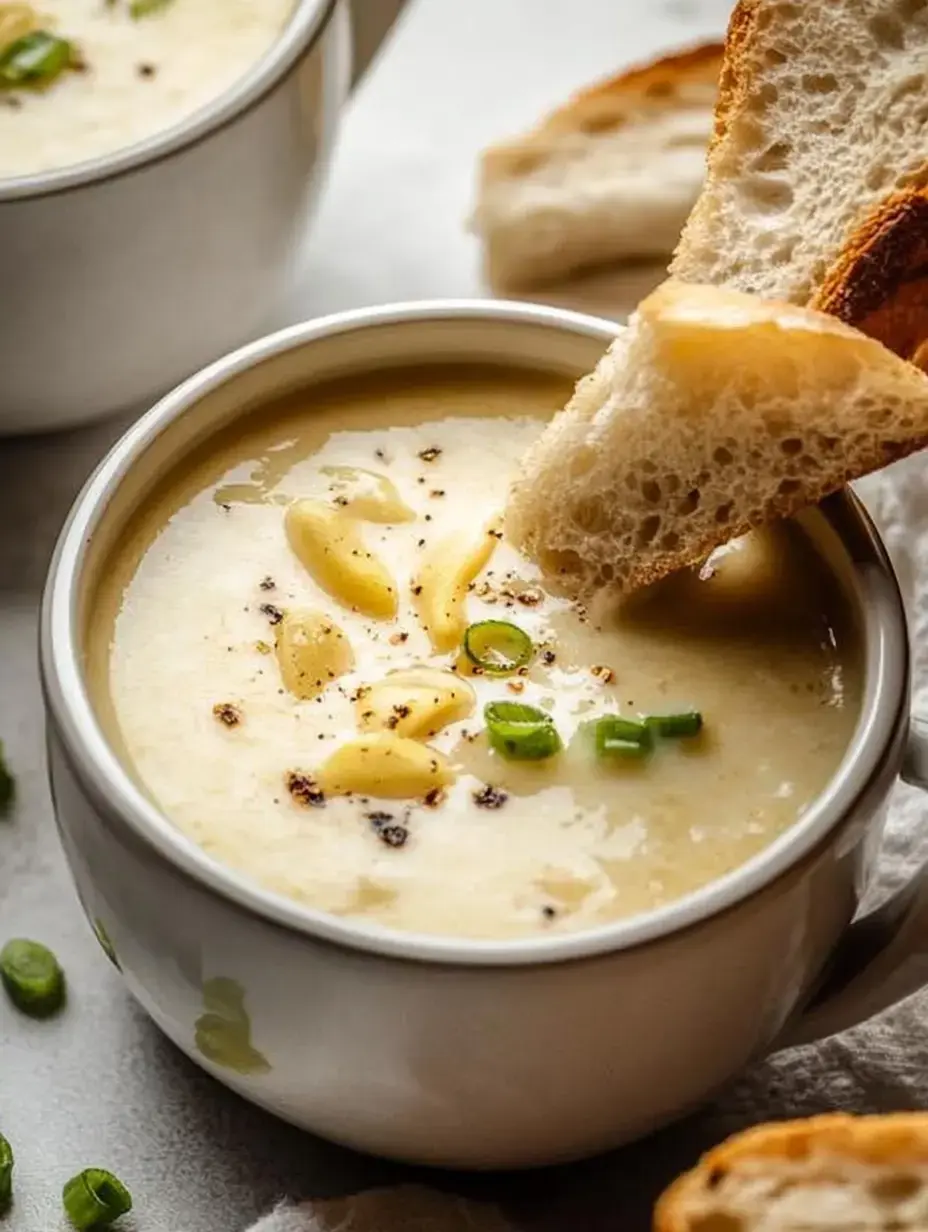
879,1066
405,1208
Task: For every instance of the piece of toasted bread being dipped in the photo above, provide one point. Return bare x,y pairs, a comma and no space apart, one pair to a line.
712,413
834,1173
817,183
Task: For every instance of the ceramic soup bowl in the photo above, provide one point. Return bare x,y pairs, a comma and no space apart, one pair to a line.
133,269
475,1054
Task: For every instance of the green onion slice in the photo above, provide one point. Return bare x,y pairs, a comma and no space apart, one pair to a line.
519,732
617,737
6,1174
143,8
497,646
7,786
630,749
34,59
95,1199
32,977
688,723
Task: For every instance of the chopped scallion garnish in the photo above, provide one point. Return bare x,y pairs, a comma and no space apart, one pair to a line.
34,60
32,977
629,749
497,646
7,786
6,1174
520,732
143,8
95,1199
687,723
634,738
618,737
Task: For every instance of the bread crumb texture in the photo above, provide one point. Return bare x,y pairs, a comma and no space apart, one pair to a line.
817,171
712,413
834,1173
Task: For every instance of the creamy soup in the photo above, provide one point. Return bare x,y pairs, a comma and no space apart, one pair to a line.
136,67
346,758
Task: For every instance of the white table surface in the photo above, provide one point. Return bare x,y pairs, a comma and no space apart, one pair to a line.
100,1085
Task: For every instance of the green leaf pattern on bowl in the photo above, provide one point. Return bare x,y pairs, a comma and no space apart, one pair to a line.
223,1030
99,931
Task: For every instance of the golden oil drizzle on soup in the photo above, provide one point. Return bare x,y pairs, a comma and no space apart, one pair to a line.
263,600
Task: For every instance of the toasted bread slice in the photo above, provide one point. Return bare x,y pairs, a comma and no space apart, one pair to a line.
879,282
818,167
832,1173
712,413
609,176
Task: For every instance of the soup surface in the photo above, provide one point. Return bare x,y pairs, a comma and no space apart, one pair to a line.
194,648
138,74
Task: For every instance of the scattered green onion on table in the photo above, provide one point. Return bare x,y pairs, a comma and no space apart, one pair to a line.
519,732
6,1174
35,982
34,60
95,1199
497,646
32,977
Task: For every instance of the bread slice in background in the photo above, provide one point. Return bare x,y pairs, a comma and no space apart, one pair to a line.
609,176
817,173
833,1173
712,413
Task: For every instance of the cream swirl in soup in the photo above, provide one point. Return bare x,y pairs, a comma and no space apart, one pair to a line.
280,650
111,73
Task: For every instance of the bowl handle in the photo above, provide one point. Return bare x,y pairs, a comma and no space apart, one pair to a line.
883,956
371,22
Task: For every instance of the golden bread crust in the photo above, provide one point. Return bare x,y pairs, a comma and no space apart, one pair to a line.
879,283
896,1139
657,81
609,104
734,79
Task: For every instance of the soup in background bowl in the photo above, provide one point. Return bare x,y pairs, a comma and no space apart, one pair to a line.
434,1046
80,79
351,748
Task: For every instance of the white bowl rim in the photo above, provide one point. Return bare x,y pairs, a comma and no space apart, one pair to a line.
74,721
307,21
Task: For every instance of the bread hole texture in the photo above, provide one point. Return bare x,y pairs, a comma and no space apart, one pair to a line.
827,116
820,1192
708,436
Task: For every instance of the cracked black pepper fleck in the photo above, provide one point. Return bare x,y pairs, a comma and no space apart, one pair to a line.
305,790
490,797
390,831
